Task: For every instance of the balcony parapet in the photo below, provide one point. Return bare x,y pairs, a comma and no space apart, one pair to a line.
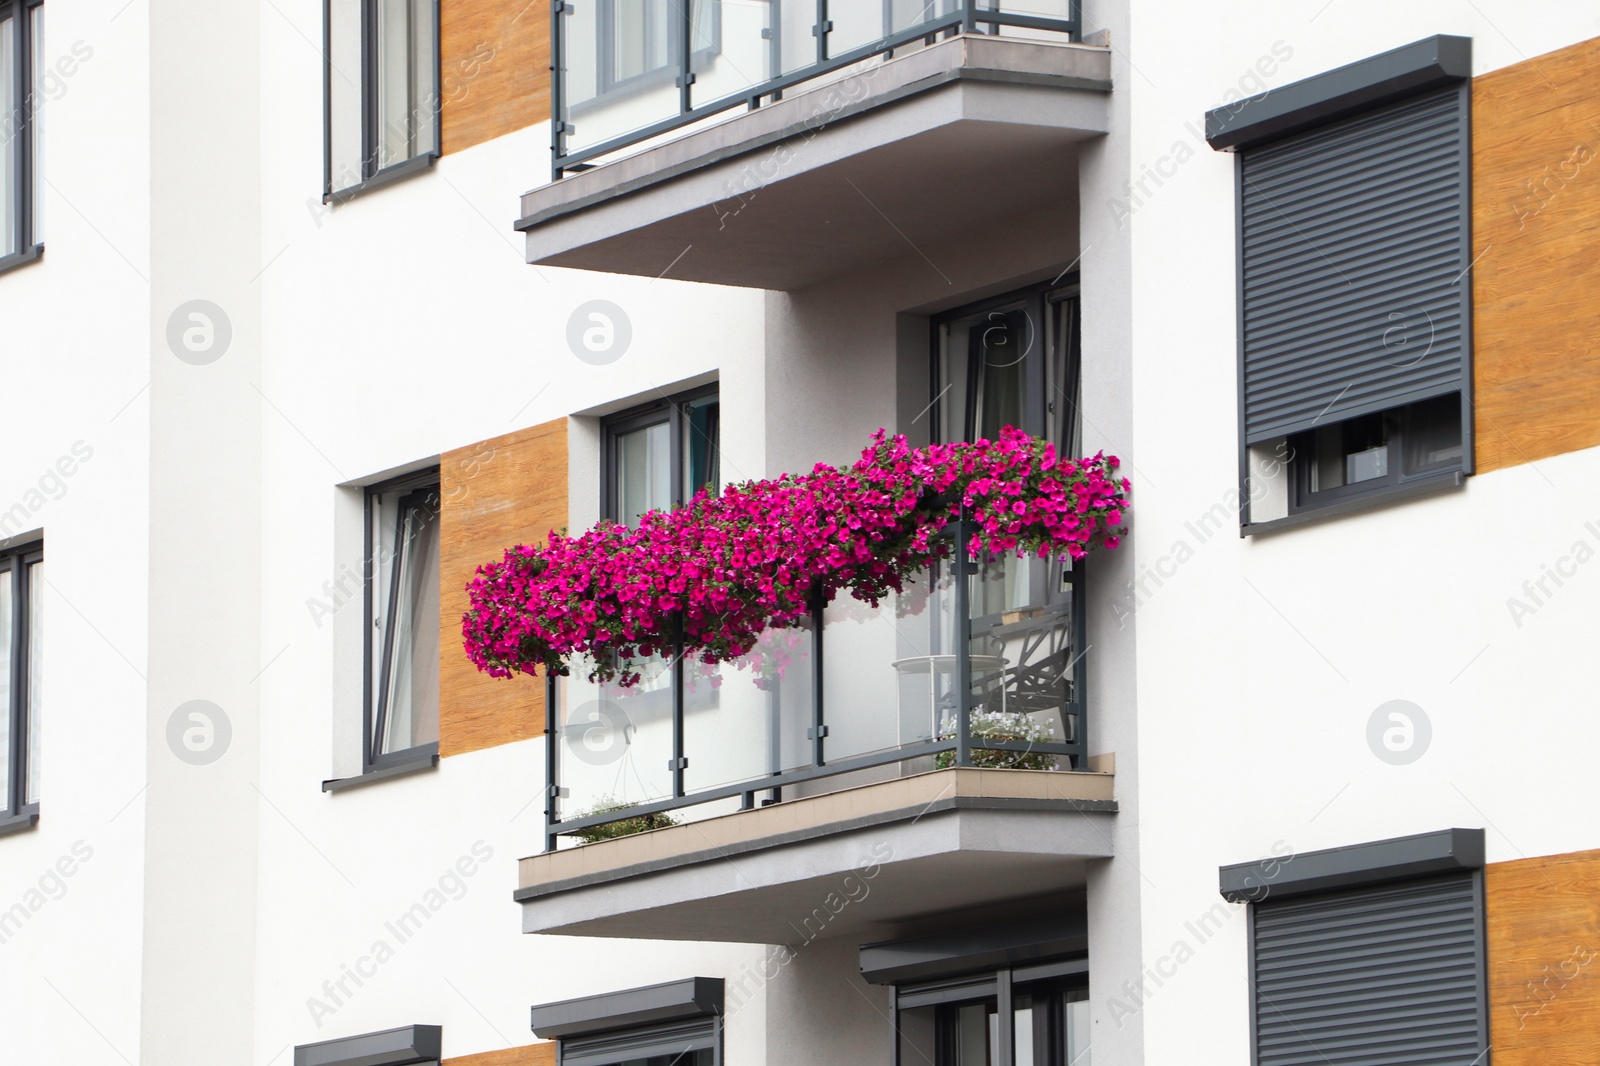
895,850
942,113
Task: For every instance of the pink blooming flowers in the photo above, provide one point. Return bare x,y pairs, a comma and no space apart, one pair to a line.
728,567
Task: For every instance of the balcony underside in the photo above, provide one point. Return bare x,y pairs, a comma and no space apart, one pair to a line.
867,862
932,143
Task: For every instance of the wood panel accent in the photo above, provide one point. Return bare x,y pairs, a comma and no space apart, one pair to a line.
1536,227
496,494
494,69
529,1055
1544,960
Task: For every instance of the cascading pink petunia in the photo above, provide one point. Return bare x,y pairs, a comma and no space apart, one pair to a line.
725,568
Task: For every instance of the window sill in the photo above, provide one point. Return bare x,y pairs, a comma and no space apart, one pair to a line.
20,822
1425,486
387,176
414,761
22,258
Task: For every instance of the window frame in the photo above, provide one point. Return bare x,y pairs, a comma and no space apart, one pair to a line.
1398,428
372,176
420,756
671,411
998,989
17,812
24,198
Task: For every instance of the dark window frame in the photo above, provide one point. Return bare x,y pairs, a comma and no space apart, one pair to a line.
372,176
416,486
24,197
669,410
998,989
1398,430
17,812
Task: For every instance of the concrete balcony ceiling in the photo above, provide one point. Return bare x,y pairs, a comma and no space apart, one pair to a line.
921,148
868,862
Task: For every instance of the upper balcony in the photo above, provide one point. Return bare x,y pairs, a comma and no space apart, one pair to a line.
723,802
773,143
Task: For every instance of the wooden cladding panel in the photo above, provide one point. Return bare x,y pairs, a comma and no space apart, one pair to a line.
1536,228
1544,960
494,69
496,494
530,1055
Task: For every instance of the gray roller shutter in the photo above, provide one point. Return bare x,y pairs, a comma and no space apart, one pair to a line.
1354,248
1372,977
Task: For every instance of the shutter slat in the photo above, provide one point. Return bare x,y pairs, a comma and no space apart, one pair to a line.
1344,228
1373,977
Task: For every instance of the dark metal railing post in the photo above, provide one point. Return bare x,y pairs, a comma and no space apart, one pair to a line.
558,89
552,786
962,567
822,29
686,57
680,760
969,16
775,42
1080,670
819,724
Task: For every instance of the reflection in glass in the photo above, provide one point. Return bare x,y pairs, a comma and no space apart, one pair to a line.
406,52
35,675
6,666
644,472
405,632
10,121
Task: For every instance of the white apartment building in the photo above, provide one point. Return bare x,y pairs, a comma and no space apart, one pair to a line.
309,309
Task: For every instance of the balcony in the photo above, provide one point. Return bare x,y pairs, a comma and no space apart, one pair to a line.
937,740
772,144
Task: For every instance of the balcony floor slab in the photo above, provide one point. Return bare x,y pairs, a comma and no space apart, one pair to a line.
869,862
840,176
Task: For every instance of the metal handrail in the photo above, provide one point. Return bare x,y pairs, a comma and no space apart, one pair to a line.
962,743
965,16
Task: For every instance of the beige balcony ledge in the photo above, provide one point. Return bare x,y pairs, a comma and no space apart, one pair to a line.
869,861
840,175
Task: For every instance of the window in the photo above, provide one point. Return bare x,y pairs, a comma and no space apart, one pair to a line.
21,130
1354,295
959,1022
686,1044
658,456
22,681
402,647
1375,453
1014,361
1371,953
381,92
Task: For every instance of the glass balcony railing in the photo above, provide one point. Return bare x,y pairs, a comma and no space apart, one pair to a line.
975,664
630,70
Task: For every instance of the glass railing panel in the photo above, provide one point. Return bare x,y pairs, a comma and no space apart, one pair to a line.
732,47
797,43
888,670
1050,9
907,14
621,59
1025,658
746,720
613,745
854,25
